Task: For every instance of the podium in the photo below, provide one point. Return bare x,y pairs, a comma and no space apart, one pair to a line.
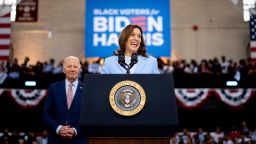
155,122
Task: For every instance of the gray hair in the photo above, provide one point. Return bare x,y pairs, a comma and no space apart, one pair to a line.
71,57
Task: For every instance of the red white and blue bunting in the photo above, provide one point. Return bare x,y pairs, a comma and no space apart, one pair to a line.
234,97
188,98
28,98
25,97
192,97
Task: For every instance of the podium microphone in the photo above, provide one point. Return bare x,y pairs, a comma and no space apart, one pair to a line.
121,61
134,60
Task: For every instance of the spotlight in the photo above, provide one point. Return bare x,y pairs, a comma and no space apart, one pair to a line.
231,83
30,83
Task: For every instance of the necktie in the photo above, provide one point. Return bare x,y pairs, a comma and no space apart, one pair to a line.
69,95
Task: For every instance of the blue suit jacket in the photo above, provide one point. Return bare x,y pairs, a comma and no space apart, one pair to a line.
145,65
56,113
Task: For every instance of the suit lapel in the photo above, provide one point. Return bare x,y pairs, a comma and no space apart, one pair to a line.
140,65
63,94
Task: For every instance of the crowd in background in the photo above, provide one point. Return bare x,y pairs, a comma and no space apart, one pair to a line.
15,137
205,66
216,68
236,135
51,71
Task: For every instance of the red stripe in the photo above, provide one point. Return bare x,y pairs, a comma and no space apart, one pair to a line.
5,36
6,15
233,91
253,59
143,28
5,25
4,46
141,18
253,49
141,23
4,57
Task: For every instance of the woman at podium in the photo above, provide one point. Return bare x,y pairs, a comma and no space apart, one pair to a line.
131,57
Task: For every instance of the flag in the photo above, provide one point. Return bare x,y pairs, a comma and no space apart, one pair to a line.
253,34
5,32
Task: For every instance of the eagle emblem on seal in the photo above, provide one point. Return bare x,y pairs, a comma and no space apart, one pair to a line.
127,98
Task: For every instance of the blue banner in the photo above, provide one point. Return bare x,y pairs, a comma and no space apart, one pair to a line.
105,19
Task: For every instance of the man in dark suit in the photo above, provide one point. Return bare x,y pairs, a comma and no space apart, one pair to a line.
62,106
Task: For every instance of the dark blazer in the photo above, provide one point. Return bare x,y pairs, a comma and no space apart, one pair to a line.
56,113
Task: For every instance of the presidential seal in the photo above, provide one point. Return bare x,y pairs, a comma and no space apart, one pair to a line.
127,98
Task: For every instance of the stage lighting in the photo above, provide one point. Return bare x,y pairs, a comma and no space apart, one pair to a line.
231,83
30,83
